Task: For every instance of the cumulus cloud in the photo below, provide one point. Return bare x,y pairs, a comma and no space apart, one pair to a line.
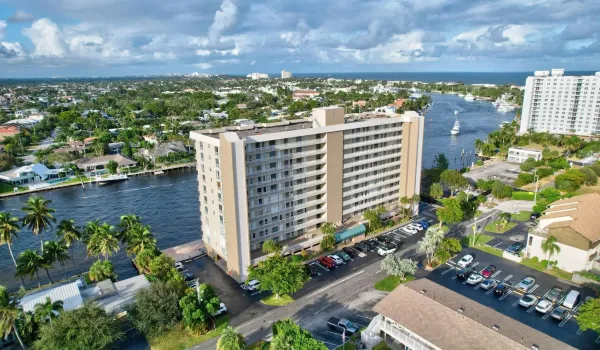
11,51
224,19
2,28
21,16
204,66
45,36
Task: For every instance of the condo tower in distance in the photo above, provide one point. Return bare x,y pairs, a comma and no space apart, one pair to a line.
283,180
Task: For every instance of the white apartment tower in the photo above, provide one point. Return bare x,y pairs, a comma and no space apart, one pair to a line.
561,104
285,74
283,180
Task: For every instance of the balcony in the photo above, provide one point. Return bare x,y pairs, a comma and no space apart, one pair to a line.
369,186
371,204
395,172
371,142
372,168
395,146
394,190
383,130
376,158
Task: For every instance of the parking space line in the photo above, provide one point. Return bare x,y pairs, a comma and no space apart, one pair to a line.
498,244
579,331
474,264
562,323
577,307
516,302
597,340
454,277
507,278
532,289
495,273
506,295
548,313
448,270
531,309
490,291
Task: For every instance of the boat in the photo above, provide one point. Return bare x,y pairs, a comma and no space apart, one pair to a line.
469,97
159,172
110,179
456,128
503,124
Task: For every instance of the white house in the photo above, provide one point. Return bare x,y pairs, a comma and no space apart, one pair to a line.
519,155
575,222
29,174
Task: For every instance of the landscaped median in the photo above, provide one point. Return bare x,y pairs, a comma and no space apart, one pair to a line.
273,300
389,283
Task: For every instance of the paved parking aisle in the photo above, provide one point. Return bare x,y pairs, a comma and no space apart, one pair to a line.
508,304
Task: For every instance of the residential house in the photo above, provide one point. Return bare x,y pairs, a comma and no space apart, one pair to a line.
575,223
29,174
8,130
519,155
398,103
99,163
422,314
162,149
304,94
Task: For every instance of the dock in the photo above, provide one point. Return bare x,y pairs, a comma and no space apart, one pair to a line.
186,251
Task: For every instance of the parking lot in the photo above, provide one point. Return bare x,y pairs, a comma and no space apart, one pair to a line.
508,304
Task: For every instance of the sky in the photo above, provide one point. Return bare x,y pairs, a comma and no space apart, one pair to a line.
85,38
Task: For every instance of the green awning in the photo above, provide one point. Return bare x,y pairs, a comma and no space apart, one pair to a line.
350,233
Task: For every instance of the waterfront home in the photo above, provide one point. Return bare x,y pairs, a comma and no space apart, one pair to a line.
162,149
29,174
519,155
574,223
99,163
8,130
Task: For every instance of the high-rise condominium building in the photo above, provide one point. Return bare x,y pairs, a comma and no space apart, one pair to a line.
256,76
282,181
285,74
561,104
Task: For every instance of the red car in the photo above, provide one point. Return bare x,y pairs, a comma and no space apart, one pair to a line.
327,262
488,271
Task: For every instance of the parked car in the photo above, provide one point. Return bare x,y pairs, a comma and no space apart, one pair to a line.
252,286
502,288
311,270
555,295
571,300
488,271
361,247
351,251
222,310
336,258
528,300
342,325
466,260
525,284
416,226
535,216
515,248
384,239
424,224
343,255
475,279
559,313
178,266
464,273
188,276
327,262
488,284
370,244
409,230
375,243
386,250
543,306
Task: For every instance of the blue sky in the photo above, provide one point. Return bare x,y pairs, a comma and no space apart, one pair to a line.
41,38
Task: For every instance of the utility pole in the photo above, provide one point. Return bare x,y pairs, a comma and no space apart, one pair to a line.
536,180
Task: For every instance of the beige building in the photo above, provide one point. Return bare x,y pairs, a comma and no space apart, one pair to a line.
575,222
424,315
282,181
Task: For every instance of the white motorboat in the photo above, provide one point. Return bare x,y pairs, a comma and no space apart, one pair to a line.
110,179
469,97
456,128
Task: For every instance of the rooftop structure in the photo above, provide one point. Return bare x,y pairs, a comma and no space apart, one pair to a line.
425,315
282,181
69,294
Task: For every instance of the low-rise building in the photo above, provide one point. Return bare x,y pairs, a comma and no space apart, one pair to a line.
29,174
519,155
302,94
575,223
7,131
425,315
99,163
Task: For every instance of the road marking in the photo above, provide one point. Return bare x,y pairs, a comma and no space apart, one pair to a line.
562,323
579,331
548,313
498,244
448,270
507,278
533,288
577,307
516,302
496,274
454,277
506,295
334,284
450,262
597,340
490,291
475,264
531,309
465,282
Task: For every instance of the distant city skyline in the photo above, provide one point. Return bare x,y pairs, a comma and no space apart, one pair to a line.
86,38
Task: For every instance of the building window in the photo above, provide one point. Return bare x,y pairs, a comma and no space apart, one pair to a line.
530,240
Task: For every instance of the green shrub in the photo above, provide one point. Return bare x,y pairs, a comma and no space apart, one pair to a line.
543,172
591,177
297,258
528,164
570,181
523,196
540,206
479,162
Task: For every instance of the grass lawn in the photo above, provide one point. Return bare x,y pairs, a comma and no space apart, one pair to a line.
542,182
555,271
283,300
521,216
491,227
257,345
480,241
8,188
390,282
348,346
180,338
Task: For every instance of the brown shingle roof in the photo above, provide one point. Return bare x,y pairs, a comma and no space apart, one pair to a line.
433,315
584,213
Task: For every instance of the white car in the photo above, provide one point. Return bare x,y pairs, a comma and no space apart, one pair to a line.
475,279
253,285
528,300
178,266
386,250
410,230
544,306
222,309
336,258
488,284
466,261
417,227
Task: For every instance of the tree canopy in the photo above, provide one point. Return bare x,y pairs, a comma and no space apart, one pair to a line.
288,335
279,275
156,309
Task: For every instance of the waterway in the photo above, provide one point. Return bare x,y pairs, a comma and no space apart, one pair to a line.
169,203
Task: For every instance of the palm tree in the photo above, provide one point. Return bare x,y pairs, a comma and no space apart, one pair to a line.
9,231
48,310
69,234
231,340
478,145
90,228
549,247
127,223
139,238
56,252
38,216
104,241
28,264
404,201
9,315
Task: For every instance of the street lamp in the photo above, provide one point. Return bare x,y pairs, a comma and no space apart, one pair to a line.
536,178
